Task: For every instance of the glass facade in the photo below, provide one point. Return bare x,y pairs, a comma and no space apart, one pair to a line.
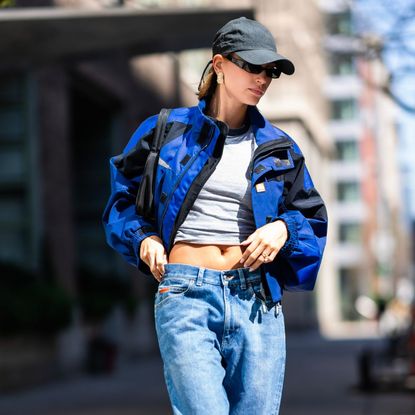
93,127
347,150
340,23
342,64
15,172
350,233
349,292
343,109
348,191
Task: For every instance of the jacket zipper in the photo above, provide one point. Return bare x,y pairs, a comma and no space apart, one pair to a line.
181,212
178,181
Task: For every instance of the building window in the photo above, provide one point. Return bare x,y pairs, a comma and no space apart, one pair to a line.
340,23
93,128
349,292
347,150
15,214
343,109
350,232
342,64
348,191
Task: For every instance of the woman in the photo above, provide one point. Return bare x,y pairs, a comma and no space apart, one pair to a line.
236,221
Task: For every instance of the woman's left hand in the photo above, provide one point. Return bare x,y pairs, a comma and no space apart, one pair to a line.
264,244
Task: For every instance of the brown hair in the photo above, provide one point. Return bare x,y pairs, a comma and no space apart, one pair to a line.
208,85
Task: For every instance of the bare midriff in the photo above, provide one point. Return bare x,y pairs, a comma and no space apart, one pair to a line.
220,257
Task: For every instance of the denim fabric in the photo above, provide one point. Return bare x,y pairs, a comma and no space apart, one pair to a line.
222,341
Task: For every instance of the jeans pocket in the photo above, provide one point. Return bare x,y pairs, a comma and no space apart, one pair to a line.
172,287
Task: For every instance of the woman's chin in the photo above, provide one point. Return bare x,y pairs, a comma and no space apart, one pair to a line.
253,100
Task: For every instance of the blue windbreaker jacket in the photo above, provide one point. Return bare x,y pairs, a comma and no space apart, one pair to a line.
281,189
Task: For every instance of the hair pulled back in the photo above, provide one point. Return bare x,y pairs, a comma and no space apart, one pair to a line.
208,85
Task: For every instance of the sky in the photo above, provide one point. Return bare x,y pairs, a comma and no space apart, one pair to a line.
383,17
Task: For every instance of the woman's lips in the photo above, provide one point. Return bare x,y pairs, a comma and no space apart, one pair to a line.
257,92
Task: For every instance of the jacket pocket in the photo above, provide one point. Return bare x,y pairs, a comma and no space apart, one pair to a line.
272,159
273,166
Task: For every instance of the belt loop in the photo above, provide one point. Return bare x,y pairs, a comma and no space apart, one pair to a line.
277,309
199,278
242,278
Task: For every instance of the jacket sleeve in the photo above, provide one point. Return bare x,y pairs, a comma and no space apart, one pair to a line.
124,228
304,212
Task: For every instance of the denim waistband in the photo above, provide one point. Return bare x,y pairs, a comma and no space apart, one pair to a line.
239,276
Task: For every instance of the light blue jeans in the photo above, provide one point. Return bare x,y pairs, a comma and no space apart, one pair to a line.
222,341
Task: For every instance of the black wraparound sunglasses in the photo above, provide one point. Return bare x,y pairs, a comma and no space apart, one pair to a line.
256,69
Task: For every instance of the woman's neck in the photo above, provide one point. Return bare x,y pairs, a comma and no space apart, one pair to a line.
227,110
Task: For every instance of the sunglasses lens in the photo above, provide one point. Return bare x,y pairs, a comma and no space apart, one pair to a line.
256,69
274,73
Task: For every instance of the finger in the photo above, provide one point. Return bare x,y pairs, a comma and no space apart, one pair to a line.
161,260
157,275
248,251
264,258
256,264
248,240
272,255
153,268
254,256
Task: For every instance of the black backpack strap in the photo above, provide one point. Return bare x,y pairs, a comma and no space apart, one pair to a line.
160,130
145,195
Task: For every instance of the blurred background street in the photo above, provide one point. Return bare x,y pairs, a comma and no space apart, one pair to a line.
322,379
77,77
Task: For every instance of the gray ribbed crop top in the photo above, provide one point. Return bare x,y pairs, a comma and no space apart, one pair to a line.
222,212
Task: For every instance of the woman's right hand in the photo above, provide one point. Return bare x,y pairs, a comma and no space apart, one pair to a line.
153,253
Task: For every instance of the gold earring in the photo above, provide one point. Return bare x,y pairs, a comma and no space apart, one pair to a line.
220,78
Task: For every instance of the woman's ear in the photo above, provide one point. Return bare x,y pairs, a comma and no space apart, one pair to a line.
217,62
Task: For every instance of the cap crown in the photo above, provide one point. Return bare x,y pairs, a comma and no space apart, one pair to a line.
242,34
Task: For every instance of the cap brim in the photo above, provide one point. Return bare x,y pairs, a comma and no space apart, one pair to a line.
263,56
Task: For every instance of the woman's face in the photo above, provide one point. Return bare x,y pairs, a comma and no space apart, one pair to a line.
245,87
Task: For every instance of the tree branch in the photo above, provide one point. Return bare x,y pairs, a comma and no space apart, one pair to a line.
386,89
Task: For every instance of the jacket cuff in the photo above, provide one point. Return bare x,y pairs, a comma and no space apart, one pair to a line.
138,237
292,241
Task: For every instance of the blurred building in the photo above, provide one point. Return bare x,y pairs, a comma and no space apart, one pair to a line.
72,92
71,96
371,250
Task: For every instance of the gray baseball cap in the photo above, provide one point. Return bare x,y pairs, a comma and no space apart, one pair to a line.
252,41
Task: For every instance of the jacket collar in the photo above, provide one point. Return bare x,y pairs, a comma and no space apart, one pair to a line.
263,130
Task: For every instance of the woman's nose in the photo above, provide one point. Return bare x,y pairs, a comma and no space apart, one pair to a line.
262,77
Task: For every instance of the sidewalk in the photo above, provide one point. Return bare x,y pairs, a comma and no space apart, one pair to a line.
320,380
137,388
